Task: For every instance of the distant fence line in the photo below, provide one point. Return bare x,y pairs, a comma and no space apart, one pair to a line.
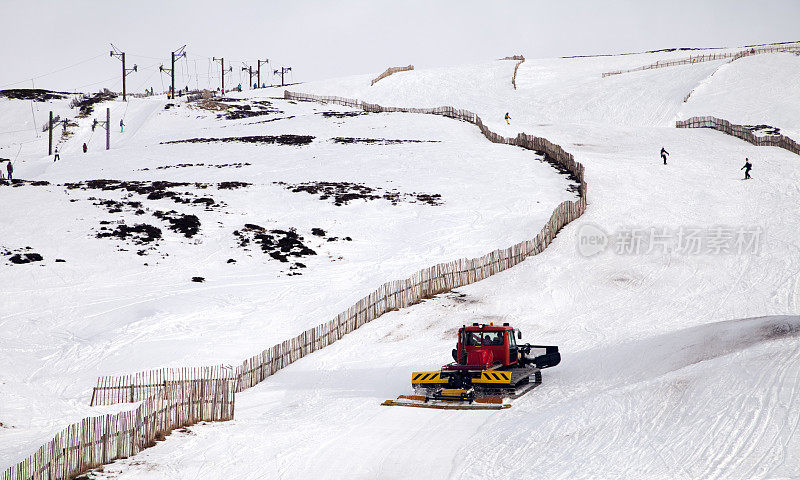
390,71
175,397
99,440
519,59
740,131
793,47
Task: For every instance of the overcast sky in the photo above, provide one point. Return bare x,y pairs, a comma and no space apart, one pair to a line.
323,39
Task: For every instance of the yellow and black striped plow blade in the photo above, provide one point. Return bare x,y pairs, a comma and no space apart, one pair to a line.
497,377
420,401
427,378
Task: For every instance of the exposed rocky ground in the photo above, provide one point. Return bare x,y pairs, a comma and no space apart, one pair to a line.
342,193
210,165
20,255
35,94
763,130
342,114
85,104
378,141
263,139
278,244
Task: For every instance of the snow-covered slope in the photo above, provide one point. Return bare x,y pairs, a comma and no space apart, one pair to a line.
116,306
752,91
675,364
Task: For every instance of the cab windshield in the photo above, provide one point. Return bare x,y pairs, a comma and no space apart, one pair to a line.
477,339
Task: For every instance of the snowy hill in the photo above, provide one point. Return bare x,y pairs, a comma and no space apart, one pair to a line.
676,364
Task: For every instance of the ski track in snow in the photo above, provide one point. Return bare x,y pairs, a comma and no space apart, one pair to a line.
674,366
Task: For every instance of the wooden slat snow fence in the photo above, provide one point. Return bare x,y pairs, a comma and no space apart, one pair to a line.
789,47
519,59
390,71
96,441
740,131
176,397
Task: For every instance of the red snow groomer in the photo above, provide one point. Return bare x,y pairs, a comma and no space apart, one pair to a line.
490,367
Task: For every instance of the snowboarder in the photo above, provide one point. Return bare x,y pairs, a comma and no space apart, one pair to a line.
56,157
508,117
85,147
10,170
664,154
746,168
121,125
239,88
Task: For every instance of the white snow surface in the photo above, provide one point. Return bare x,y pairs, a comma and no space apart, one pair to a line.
674,365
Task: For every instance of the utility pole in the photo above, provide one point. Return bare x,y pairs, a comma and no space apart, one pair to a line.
51,126
177,54
106,125
115,52
230,69
249,70
282,71
260,62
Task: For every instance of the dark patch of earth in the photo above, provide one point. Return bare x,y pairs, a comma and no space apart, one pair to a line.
35,94
263,139
188,225
232,185
342,114
186,165
21,255
21,183
278,244
113,206
151,190
86,103
763,129
139,234
20,258
342,193
254,109
378,141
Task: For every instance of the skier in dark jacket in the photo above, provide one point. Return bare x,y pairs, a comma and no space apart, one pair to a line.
85,148
746,168
664,154
56,157
10,169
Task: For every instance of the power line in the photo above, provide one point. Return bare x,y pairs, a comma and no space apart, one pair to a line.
54,71
96,83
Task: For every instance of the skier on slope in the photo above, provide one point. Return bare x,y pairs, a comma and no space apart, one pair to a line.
56,156
664,154
85,147
508,117
10,170
747,166
121,125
